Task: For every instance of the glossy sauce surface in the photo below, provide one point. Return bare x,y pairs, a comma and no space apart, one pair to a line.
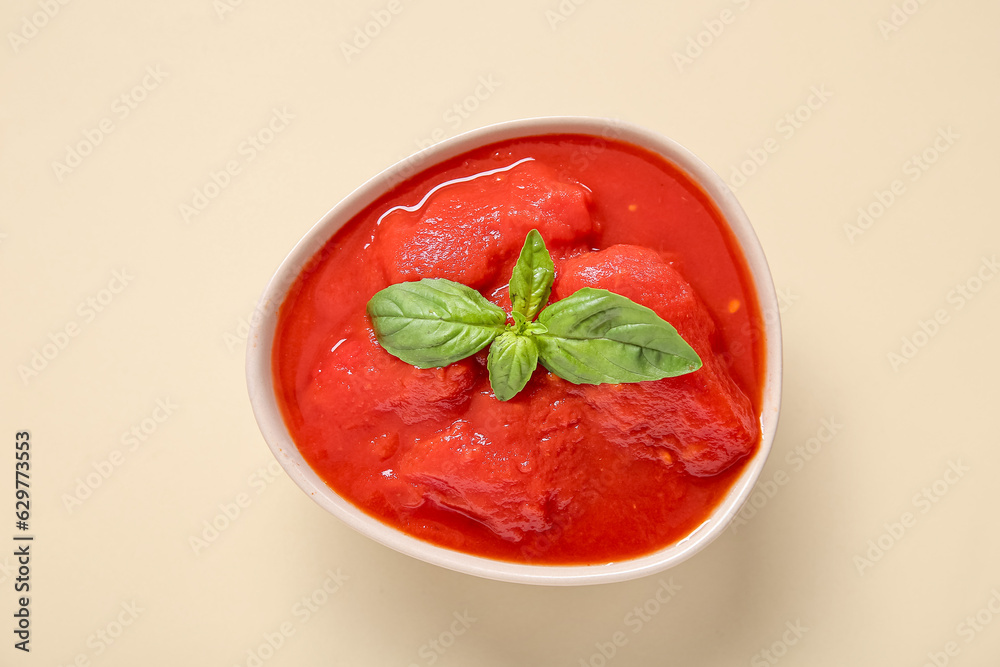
562,473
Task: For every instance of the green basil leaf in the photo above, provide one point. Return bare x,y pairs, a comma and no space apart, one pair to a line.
535,327
511,362
434,322
531,281
595,336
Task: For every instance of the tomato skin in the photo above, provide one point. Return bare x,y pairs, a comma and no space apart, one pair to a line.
561,473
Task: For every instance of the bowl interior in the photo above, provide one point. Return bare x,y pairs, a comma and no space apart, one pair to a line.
272,426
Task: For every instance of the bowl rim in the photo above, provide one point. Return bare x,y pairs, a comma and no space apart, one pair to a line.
272,426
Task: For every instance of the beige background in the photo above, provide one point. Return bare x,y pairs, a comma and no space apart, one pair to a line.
171,324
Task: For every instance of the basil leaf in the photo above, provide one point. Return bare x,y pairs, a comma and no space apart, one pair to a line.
595,336
531,281
434,322
511,362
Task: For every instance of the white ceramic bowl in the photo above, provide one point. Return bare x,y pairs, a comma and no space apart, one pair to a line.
265,407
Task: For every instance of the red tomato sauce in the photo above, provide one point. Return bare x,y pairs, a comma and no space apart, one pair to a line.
561,473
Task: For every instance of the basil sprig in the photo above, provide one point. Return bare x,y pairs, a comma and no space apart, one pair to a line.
592,336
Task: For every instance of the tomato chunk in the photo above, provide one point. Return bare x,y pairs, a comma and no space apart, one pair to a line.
472,231
702,417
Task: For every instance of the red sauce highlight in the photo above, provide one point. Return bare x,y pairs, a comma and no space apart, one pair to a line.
561,474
